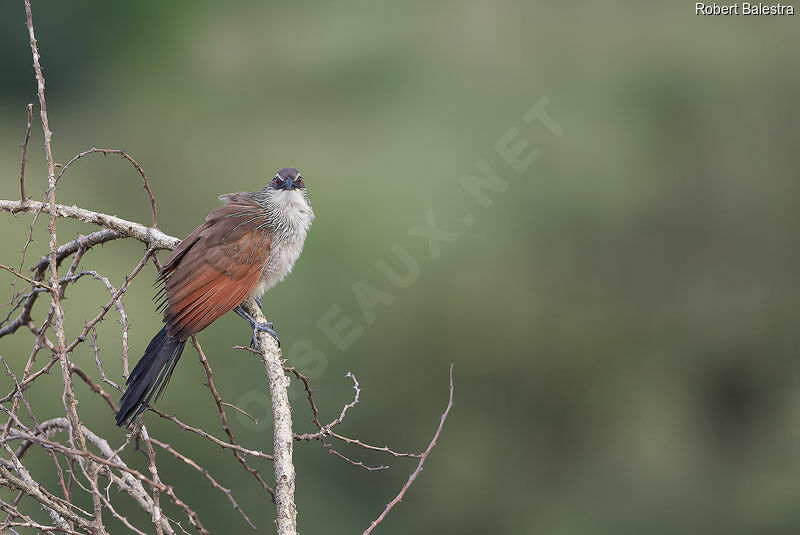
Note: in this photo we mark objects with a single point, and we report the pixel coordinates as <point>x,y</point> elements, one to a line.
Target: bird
<point>243,249</point>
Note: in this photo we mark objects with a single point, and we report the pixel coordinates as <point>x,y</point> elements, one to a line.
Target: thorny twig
<point>26,279</point>
<point>81,243</point>
<point>24,159</point>
<point>69,400</point>
<point>175,453</point>
<point>126,156</point>
<point>327,429</point>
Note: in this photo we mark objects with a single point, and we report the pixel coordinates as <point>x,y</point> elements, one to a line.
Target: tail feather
<point>150,376</point>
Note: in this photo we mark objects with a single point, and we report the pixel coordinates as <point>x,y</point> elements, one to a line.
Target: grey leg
<point>263,327</point>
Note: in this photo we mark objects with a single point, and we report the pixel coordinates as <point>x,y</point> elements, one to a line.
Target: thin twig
<point>126,156</point>
<point>99,363</point>
<point>151,455</point>
<point>113,462</point>
<point>131,480</point>
<point>208,436</point>
<point>114,300</point>
<point>26,279</point>
<point>240,411</point>
<point>359,464</point>
<point>224,419</point>
<point>309,394</point>
<point>24,159</point>
<point>397,499</point>
<point>214,482</point>
<point>327,429</point>
<point>70,403</point>
<point>81,243</point>
<point>97,389</point>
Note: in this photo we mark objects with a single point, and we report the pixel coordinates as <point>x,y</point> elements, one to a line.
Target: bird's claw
<point>266,327</point>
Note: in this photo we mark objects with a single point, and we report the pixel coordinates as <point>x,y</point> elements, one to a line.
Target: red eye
<point>300,180</point>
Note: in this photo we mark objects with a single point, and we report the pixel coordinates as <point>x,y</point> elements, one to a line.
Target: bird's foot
<point>257,327</point>
<point>266,327</point>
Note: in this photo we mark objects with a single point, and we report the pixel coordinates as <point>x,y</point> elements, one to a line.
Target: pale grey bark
<point>148,235</point>
<point>282,420</point>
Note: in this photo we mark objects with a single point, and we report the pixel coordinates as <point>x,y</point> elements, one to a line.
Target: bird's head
<point>285,196</point>
<point>288,179</point>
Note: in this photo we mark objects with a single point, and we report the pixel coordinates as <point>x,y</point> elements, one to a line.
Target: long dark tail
<point>150,376</point>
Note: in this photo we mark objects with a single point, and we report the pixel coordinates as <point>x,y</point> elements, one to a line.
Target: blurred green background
<point>623,318</point>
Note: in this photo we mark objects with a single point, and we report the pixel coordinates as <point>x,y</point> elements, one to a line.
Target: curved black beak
<point>289,184</point>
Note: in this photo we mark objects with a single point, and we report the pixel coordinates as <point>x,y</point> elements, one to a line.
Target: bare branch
<point>81,243</point>
<point>150,236</point>
<point>328,431</point>
<point>208,436</point>
<point>24,159</point>
<point>240,411</point>
<point>98,390</point>
<point>309,394</point>
<point>282,420</point>
<point>214,482</point>
<point>26,279</point>
<point>85,466</point>
<point>359,464</point>
<point>130,481</point>
<point>58,317</point>
<point>114,300</point>
<point>224,419</point>
<point>151,455</point>
<point>397,499</point>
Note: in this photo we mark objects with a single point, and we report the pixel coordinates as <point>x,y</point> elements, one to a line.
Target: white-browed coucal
<point>242,250</point>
